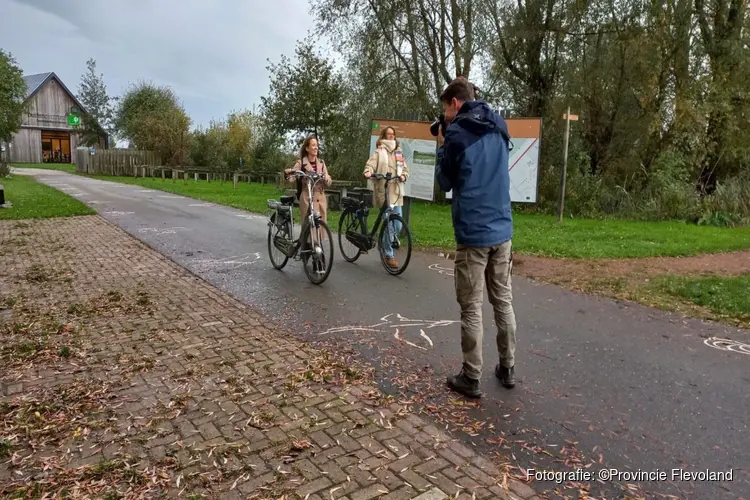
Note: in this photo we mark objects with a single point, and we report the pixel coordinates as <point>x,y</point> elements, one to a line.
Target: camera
<point>438,126</point>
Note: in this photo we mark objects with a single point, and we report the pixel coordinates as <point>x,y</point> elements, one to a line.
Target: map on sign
<point>523,168</point>
<point>523,160</point>
<point>420,157</point>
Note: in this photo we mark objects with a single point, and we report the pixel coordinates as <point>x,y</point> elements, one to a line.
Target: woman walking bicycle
<point>389,158</point>
<point>310,162</point>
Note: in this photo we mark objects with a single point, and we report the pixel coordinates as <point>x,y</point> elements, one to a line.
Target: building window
<point>55,146</point>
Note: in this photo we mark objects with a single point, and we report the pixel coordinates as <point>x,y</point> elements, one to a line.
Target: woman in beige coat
<point>309,161</point>
<point>388,157</point>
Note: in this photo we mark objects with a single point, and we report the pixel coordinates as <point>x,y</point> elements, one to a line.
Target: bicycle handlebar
<point>379,177</point>
<point>314,176</point>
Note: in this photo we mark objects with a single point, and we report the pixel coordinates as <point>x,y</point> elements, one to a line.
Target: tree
<point>239,137</point>
<point>428,43</point>
<point>305,96</point>
<point>98,115</point>
<point>151,117</point>
<point>224,142</point>
<point>208,147</point>
<point>12,96</point>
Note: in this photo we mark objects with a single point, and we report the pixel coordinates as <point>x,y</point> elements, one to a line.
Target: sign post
<point>74,120</point>
<point>568,117</point>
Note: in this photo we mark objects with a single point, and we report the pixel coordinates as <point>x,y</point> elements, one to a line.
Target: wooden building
<point>48,131</point>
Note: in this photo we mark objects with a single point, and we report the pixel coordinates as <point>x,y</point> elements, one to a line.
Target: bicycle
<point>353,227</point>
<point>281,235</point>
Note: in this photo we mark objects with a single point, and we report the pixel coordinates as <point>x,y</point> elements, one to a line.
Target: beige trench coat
<point>319,194</point>
<point>395,189</point>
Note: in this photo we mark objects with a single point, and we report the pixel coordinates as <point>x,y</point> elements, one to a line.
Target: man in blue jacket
<point>473,162</point>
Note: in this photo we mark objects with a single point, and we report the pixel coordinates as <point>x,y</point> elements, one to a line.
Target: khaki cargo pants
<point>475,266</point>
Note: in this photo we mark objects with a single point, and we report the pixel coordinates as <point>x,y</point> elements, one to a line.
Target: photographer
<point>473,162</point>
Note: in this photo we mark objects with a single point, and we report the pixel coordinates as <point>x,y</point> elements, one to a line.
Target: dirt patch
<point>572,270</point>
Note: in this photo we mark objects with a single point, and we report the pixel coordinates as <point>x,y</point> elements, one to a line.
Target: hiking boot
<point>391,262</point>
<point>465,385</point>
<point>506,376</point>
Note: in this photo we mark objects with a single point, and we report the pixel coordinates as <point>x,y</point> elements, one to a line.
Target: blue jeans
<point>391,233</point>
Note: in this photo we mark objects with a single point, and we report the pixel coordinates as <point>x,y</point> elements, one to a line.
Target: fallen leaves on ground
<point>45,431</point>
<point>34,339</point>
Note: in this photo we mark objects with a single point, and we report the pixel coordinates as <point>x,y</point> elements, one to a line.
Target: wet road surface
<point>599,382</point>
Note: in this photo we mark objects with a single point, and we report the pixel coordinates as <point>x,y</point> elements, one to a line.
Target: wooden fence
<point>114,161</point>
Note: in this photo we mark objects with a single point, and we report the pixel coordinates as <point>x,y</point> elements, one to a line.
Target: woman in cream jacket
<point>388,157</point>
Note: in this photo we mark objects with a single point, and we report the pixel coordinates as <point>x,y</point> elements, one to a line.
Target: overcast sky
<point>213,53</point>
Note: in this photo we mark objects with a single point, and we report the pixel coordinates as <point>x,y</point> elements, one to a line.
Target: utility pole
<point>568,117</point>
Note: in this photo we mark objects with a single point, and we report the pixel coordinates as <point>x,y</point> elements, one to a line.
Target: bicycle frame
<point>385,209</point>
<point>313,216</point>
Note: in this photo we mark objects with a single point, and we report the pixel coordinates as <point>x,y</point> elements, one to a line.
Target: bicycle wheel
<point>278,259</point>
<point>405,240</point>
<point>318,266</point>
<point>348,222</point>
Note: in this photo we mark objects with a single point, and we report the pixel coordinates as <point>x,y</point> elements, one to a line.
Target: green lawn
<point>725,296</point>
<point>533,234</point>
<point>64,167</point>
<point>33,200</point>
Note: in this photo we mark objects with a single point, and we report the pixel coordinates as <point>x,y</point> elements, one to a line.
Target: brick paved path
<point>124,376</point>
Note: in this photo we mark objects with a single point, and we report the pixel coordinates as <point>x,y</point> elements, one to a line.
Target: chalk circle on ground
<point>727,345</point>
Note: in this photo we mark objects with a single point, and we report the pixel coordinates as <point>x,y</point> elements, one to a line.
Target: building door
<point>55,146</point>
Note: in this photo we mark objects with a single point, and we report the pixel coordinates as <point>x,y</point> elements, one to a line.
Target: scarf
<point>386,147</point>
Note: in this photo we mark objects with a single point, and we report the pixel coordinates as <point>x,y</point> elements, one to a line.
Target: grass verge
<point>431,226</point>
<point>717,298</point>
<point>33,200</point>
<point>725,297</point>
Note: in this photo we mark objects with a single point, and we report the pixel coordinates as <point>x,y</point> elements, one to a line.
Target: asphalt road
<point>624,386</point>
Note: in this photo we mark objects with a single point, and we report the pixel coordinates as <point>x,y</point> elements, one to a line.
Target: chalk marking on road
<point>250,216</point>
<point>235,261</point>
<point>159,232</point>
<point>396,335</point>
<point>350,328</point>
<point>95,202</point>
<point>424,335</point>
<point>168,197</point>
<point>201,205</point>
<point>116,212</point>
<point>146,191</point>
<point>727,345</point>
<point>403,322</point>
<point>441,270</point>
